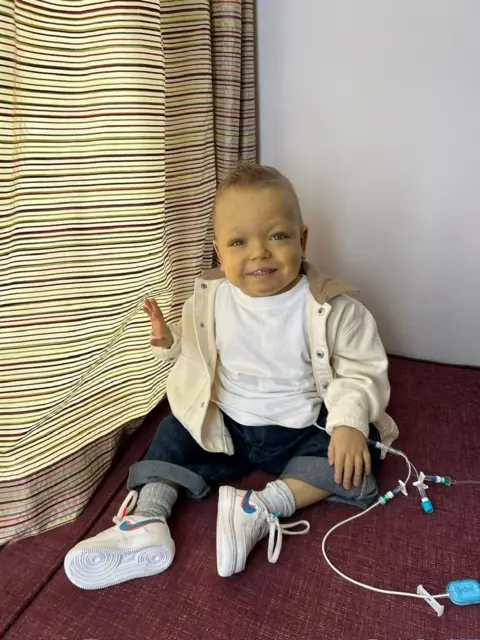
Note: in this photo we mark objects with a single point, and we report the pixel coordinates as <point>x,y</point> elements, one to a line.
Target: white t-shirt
<point>265,371</point>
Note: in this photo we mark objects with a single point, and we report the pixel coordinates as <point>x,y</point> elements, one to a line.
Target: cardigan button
<point>320,354</point>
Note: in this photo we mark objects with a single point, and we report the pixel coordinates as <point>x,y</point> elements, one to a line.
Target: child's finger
<point>331,454</point>
<point>339,471</point>
<point>348,468</point>
<point>367,459</point>
<point>154,305</point>
<point>357,478</point>
<point>156,311</point>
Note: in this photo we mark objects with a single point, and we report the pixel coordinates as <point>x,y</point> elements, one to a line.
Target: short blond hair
<point>250,174</point>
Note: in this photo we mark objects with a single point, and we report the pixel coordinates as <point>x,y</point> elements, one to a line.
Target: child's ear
<point>303,241</point>
<point>219,260</point>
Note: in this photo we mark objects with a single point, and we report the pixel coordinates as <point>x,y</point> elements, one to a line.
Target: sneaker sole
<point>97,568</point>
<point>226,541</point>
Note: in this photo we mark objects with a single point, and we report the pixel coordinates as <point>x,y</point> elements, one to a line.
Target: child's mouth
<point>262,273</point>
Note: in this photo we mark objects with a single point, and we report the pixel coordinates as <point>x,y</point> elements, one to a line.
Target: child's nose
<point>259,252</point>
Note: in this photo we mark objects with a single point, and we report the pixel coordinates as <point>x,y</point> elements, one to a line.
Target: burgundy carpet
<point>300,598</point>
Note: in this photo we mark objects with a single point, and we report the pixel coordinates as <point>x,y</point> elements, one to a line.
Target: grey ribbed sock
<point>156,500</point>
<point>278,498</point>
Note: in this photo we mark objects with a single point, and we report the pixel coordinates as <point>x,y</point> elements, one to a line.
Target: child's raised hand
<point>160,329</point>
<point>348,451</point>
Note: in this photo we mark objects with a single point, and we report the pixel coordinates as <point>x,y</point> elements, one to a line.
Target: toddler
<point>276,368</point>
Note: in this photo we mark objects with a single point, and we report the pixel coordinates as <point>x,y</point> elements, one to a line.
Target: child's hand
<point>160,329</point>
<point>348,451</point>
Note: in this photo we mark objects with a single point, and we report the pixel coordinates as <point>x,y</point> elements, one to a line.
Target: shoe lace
<point>126,507</point>
<point>277,531</point>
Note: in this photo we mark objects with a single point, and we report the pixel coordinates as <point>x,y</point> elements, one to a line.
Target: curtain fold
<point>234,83</point>
<point>116,122</point>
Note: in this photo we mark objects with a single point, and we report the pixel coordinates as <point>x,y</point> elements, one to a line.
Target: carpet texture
<point>397,547</point>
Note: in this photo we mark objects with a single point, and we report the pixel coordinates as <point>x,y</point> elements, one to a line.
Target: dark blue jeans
<point>288,453</point>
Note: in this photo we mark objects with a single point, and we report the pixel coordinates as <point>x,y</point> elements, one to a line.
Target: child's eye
<point>236,243</point>
<point>279,236</point>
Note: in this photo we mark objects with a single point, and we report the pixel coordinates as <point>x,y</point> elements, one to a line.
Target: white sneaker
<point>134,548</point>
<point>243,520</point>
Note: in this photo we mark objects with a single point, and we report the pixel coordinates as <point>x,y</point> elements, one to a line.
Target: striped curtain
<point>116,121</point>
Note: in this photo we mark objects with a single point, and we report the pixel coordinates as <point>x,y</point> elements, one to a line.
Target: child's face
<point>259,240</point>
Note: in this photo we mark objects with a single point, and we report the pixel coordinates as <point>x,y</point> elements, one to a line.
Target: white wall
<point>372,108</point>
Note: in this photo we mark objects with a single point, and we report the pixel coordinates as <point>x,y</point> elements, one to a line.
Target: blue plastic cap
<point>427,506</point>
<point>464,592</point>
